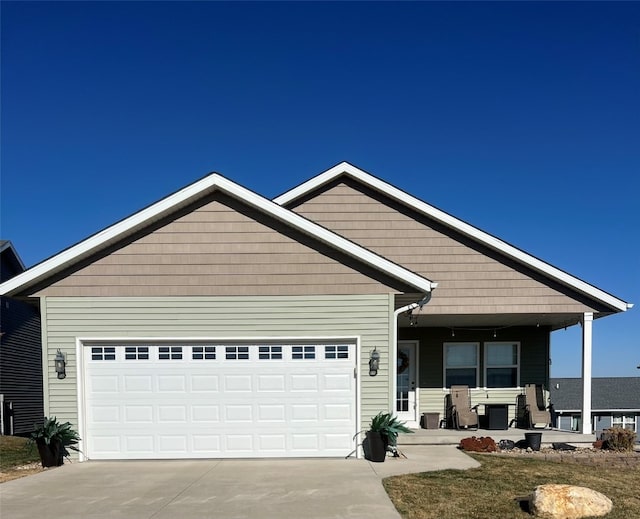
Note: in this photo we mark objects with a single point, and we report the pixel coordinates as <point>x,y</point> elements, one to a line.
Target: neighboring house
<point>218,323</point>
<point>20,354</point>
<point>615,402</point>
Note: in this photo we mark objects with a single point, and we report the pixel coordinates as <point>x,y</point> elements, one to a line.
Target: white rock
<point>568,502</point>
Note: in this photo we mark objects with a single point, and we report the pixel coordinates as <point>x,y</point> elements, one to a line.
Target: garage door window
<point>336,352</point>
<point>203,353</point>
<point>270,352</point>
<point>237,352</point>
<point>170,352</point>
<point>303,352</point>
<point>136,353</point>
<point>107,353</point>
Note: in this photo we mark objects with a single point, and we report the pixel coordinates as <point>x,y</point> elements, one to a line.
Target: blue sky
<point>520,118</point>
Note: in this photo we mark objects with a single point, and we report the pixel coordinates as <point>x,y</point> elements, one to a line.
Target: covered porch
<point>496,355</point>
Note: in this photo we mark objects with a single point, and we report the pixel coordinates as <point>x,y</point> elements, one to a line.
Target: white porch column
<point>587,339</point>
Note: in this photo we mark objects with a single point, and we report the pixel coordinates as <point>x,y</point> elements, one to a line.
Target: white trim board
<point>344,168</point>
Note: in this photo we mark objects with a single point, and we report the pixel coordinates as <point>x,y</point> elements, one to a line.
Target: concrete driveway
<point>229,489</point>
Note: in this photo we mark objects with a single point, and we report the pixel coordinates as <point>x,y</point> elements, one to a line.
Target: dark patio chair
<point>536,412</point>
<point>460,410</point>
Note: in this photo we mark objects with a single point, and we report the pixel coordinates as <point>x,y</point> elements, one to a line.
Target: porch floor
<point>453,437</point>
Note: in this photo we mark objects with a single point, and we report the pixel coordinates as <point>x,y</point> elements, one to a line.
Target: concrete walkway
<point>229,489</point>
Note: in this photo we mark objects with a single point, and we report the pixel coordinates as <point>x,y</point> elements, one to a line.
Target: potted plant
<point>54,440</point>
<point>383,432</point>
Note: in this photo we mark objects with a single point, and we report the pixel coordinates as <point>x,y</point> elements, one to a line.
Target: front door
<point>406,403</point>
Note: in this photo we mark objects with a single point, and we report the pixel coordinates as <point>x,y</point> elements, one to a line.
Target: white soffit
<point>344,168</point>
<point>188,195</point>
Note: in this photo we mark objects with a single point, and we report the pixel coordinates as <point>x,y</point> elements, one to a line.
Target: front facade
<point>217,323</point>
<point>615,402</point>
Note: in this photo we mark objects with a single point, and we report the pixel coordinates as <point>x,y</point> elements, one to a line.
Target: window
<point>269,352</point>
<point>136,353</point>
<point>237,353</point>
<point>336,352</point>
<point>576,422</point>
<point>106,353</point>
<point>461,364</point>
<point>303,352</point>
<point>624,421</point>
<point>170,352</point>
<point>501,364</point>
<point>203,353</point>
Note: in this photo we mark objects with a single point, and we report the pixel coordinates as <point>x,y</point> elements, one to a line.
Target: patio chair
<point>460,410</point>
<point>535,409</point>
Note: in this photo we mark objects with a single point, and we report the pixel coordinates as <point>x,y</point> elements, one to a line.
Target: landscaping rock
<point>568,502</point>
<point>482,444</point>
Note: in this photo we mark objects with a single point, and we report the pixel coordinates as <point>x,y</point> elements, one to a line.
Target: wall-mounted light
<point>374,363</point>
<point>60,365</point>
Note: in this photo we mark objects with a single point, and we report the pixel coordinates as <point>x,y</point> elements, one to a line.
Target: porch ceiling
<point>425,319</point>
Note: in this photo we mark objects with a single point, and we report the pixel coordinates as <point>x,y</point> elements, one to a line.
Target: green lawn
<point>15,451</point>
<point>488,492</point>
<point>17,458</point>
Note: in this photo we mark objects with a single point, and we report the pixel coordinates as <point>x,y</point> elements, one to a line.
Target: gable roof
<point>607,393</point>
<point>344,169</point>
<point>186,196</point>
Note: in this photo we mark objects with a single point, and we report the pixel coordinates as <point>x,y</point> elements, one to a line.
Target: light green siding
<point>67,319</point>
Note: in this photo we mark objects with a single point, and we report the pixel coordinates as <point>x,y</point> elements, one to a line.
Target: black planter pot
<point>375,446</point>
<point>51,454</point>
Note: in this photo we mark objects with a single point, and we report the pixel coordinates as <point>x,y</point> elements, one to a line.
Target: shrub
<point>482,444</point>
<point>52,431</point>
<point>618,439</point>
<point>389,426</point>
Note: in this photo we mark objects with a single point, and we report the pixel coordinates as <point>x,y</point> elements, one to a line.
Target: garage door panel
<point>205,383</point>
<point>205,413</point>
<point>241,401</point>
<point>138,383</point>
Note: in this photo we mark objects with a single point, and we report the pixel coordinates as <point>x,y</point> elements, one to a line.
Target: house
<point>21,395</point>
<point>218,323</point>
<point>615,402</point>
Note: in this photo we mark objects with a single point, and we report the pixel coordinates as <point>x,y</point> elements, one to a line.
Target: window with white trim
<point>461,363</point>
<point>170,352</point>
<point>236,352</point>
<point>103,353</point>
<point>339,351</point>
<point>303,352</point>
<point>501,364</point>
<point>269,352</point>
<point>203,353</point>
<point>624,420</point>
<point>136,353</point>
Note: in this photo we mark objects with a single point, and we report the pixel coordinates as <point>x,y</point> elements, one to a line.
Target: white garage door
<point>219,400</point>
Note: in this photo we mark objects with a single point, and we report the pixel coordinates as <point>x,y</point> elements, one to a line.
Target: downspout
<point>393,354</point>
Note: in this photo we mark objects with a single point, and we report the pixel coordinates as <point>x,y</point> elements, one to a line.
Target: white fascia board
<point>189,194</point>
<point>453,223</point>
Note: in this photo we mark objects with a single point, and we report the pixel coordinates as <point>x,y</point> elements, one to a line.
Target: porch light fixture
<point>413,319</point>
<point>374,363</point>
<point>60,365</point>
